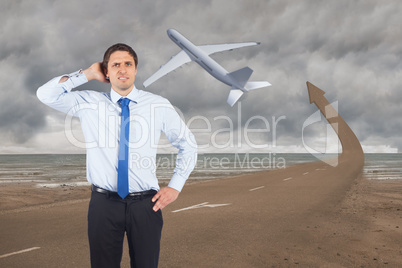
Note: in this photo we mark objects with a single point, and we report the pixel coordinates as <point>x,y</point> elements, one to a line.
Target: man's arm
<point>181,137</point>
<point>94,72</point>
<point>55,93</point>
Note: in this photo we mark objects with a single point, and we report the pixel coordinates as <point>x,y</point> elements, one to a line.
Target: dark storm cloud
<point>350,49</point>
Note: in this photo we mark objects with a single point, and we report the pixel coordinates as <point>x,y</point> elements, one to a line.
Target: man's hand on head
<point>164,197</point>
<point>95,72</point>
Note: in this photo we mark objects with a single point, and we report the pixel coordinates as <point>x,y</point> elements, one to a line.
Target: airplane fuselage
<point>238,80</point>
<point>206,62</point>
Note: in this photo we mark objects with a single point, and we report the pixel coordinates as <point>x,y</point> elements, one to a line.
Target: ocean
<point>70,169</point>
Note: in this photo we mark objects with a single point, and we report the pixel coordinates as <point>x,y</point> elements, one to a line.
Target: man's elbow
<point>41,95</point>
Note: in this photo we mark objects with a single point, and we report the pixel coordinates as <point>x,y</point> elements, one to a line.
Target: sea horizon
<point>71,168</point>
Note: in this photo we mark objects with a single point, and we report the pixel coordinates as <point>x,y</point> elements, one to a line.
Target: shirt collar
<point>133,95</point>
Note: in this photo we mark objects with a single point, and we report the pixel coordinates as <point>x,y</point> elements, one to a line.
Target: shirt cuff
<point>177,182</point>
<point>76,79</point>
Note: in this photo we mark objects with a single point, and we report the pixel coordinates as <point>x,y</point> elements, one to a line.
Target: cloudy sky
<point>350,49</point>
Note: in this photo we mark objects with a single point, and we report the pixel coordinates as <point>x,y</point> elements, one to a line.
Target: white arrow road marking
<point>205,204</point>
<point>258,188</point>
<point>288,179</point>
<point>192,207</point>
<point>19,252</point>
<point>305,173</point>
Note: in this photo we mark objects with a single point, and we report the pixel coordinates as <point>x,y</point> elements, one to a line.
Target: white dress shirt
<point>100,116</point>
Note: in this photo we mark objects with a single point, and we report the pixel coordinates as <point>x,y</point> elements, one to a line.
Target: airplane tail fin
<point>254,85</point>
<point>234,96</point>
<point>242,75</point>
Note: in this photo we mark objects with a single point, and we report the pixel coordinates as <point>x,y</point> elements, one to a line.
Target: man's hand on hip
<point>165,196</point>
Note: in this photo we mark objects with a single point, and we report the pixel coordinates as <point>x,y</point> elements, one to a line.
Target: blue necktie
<point>122,171</point>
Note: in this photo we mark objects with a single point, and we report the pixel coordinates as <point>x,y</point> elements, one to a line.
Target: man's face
<point>121,71</point>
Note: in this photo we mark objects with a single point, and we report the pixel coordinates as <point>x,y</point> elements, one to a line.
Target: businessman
<point>122,129</point>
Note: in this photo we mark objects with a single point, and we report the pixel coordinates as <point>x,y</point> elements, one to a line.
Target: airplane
<point>237,80</point>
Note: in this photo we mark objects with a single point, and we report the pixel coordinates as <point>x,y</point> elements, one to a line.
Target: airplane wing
<point>210,49</point>
<point>174,63</point>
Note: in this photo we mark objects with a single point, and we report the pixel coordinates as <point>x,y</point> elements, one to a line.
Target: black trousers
<point>109,218</point>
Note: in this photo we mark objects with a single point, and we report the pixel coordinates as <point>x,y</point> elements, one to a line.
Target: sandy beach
<point>279,218</point>
<point>318,214</point>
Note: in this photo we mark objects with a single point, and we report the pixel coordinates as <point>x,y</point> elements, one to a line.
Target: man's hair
<point>114,48</point>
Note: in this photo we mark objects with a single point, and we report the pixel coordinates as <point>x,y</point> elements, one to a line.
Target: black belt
<point>136,195</point>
